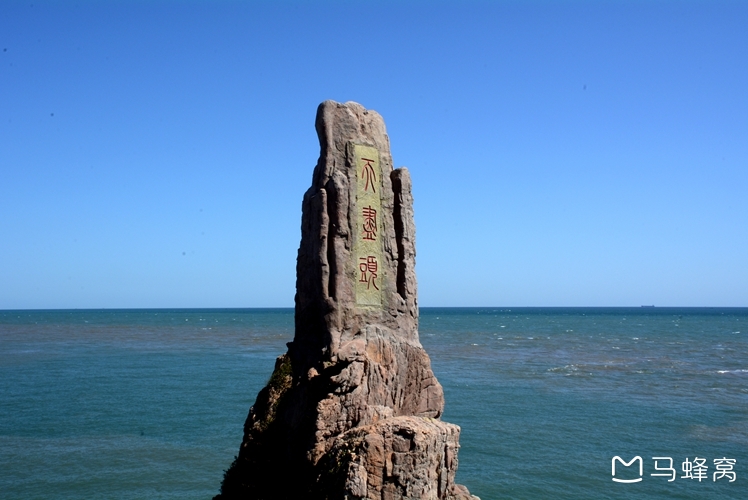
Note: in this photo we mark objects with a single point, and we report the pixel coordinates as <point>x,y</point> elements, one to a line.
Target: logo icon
<point>627,464</point>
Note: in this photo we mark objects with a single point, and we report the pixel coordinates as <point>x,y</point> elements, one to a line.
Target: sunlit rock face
<point>352,410</point>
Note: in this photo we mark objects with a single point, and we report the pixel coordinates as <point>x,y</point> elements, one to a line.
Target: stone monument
<point>352,410</point>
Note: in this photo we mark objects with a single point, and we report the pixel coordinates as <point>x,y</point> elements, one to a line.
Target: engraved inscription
<point>367,244</point>
<point>369,225</point>
<point>370,177</point>
<point>368,268</point>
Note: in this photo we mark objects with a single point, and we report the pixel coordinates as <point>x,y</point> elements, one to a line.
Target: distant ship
<point>648,306</point>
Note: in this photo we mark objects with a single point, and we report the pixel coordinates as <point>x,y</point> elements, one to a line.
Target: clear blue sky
<point>154,154</point>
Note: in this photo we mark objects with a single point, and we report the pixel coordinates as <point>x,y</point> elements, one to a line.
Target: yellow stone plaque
<point>368,234</point>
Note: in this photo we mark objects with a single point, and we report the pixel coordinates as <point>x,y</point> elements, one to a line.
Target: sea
<point>554,403</point>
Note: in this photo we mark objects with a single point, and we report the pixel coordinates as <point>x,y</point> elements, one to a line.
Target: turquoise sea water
<point>132,404</point>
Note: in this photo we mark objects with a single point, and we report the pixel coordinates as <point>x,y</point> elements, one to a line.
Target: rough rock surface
<point>351,410</point>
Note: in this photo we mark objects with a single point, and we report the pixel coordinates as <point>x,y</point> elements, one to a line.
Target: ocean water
<point>133,404</point>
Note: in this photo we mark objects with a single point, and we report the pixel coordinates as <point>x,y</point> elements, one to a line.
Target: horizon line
<point>644,307</point>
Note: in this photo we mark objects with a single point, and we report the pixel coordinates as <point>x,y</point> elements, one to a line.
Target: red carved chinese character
<point>370,223</point>
<point>368,265</point>
<point>368,174</point>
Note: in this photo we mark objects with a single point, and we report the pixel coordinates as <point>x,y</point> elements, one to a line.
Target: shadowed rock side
<point>352,410</point>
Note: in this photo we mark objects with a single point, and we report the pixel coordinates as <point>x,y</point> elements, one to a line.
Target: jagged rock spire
<point>351,410</point>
